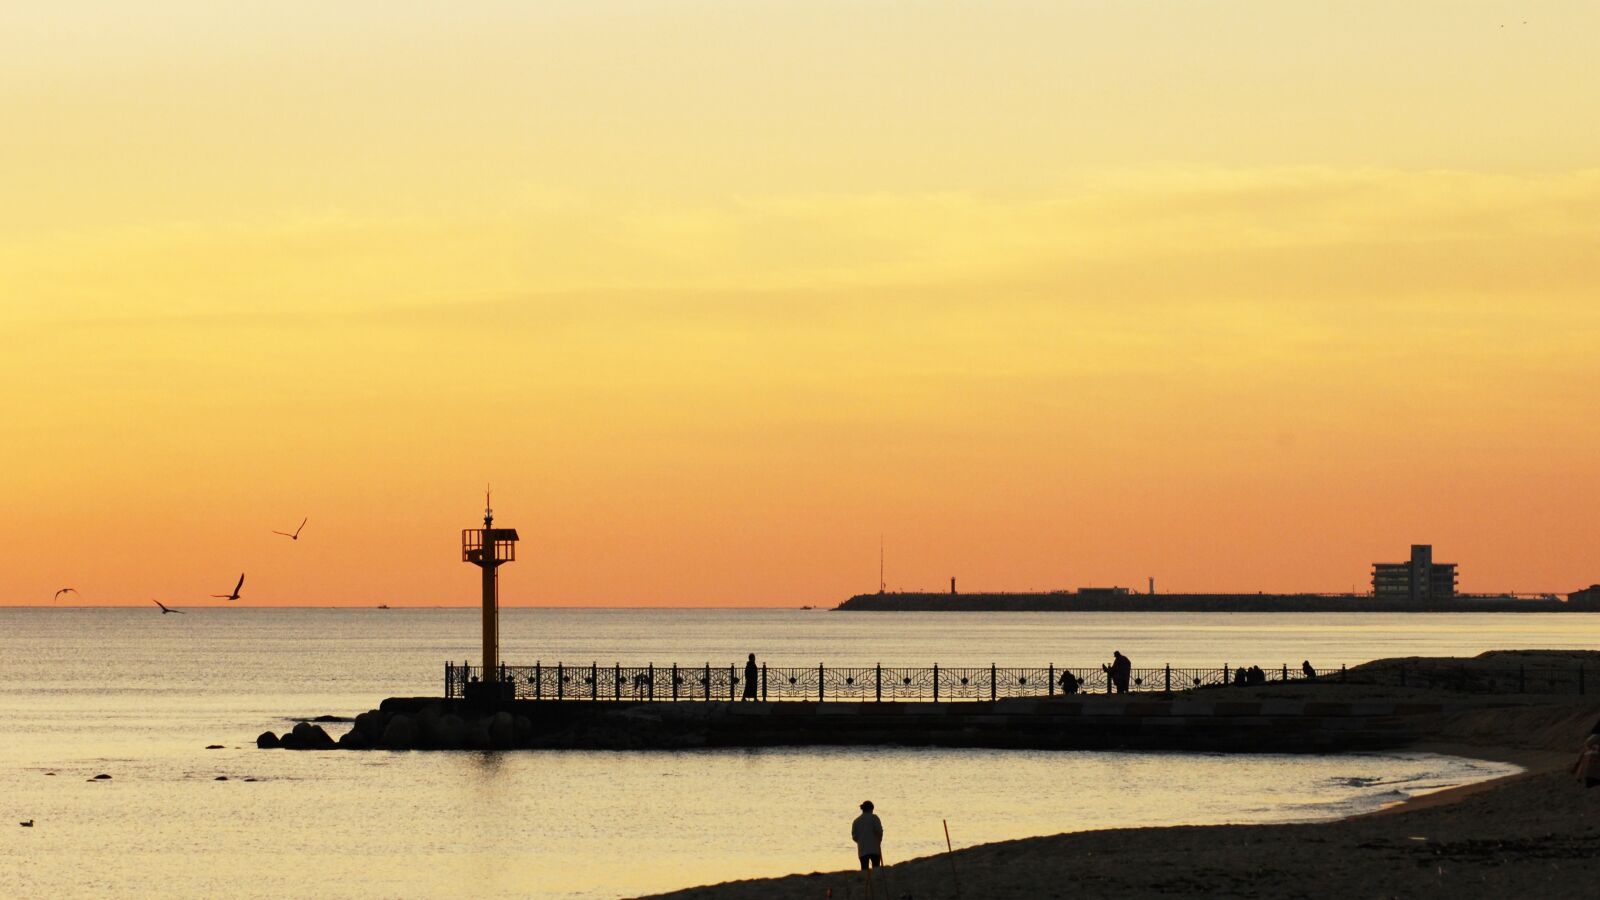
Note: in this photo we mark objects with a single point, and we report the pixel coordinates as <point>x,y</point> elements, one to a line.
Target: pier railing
<point>822,683</point>
<point>1474,677</point>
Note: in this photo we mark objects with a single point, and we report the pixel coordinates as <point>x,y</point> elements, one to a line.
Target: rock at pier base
<point>306,736</point>
<point>401,734</point>
<point>267,741</point>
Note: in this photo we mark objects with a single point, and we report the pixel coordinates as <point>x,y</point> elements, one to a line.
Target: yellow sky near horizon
<point>1241,295</point>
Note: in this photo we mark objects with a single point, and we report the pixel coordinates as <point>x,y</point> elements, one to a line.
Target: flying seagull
<point>296,535</point>
<point>180,612</point>
<point>235,594</point>
<point>64,591</point>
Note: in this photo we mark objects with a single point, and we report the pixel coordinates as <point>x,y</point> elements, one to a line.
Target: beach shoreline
<point>1535,829</point>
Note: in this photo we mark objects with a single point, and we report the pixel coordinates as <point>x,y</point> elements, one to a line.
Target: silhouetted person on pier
<point>1241,676</point>
<point>1257,676</point>
<point>1119,670</point>
<point>867,832</point>
<point>1069,683</point>
<point>751,676</point>
<point>1308,670</point>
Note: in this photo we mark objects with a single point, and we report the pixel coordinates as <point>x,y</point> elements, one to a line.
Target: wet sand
<point>1536,833</point>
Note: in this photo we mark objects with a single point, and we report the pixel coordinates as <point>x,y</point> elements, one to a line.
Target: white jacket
<point>867,832</point>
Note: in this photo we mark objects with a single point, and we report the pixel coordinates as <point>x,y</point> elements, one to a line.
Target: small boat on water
<point>383,606</point>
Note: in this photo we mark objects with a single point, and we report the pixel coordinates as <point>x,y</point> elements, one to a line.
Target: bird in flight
<point>64,591</point>
<point>165,610</point>
<point>296,535</point>
<point>235,594</point>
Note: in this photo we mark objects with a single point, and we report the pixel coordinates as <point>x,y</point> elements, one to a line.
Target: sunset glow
<point>716,294</point>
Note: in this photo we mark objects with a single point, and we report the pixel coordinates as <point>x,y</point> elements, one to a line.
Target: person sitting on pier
<point>1241,676</point>
<point>1069,682</point>
<point>1307,669</point>
<point>751,676</point>
<point>1119,670</point>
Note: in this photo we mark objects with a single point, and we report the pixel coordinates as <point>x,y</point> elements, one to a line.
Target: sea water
<point>138,696</point>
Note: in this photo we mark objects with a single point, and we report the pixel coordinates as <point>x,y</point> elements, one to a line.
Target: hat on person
<point>866,805</point>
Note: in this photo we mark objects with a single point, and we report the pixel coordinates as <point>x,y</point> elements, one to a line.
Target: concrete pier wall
<point>1091,723</point>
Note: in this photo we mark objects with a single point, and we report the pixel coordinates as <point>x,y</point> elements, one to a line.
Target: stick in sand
<point>950,855</point>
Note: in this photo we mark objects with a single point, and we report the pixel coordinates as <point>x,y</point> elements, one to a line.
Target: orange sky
<point>1243,295</point>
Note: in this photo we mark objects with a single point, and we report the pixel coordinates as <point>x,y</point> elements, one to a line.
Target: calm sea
<point>137,695</point>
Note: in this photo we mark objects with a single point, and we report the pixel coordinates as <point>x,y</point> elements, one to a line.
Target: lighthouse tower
<point>488,548</point>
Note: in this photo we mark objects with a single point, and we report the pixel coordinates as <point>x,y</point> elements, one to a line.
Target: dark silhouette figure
<point>165,610</point>
<point>235,594</point>
<point>1119,670</point>
<point>1241,676</point>
<point>751,676</point>
<point>1307,669</point>
<point>1069,683</point>
<point>1257,676</point>
<point>867,832</point>
<point>296,535</point>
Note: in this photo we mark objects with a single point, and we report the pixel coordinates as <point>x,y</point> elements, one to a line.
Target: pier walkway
<point>937,684</point>
<point>941,684</point>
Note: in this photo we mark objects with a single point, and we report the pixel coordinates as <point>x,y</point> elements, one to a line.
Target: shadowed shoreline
<point>1535,831</point>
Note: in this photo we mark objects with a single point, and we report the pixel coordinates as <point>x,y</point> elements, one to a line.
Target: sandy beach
<point>1535,832</point>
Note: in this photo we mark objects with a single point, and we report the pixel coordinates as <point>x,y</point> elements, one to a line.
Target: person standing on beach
<point>751,676</point>
<point>867,832</point>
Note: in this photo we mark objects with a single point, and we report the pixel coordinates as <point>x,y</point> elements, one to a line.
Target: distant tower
<point>488,548</point>
<point>882,585</point>
<point>952,584</point>
<point>1152,584</point>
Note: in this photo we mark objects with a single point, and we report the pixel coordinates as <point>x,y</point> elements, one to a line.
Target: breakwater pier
<point>1384,704</point>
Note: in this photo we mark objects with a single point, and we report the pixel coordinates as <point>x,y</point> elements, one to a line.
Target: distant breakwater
<point>1065,601</point>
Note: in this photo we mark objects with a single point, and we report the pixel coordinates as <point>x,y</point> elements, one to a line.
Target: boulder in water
<point>371,725</point>
<point>354,740</point>
<point>306,736</point>
<point>401,734</point>
<point>101,777</point>
<point>450,732</point>
<point>267,741</point>
<point>502,731</point>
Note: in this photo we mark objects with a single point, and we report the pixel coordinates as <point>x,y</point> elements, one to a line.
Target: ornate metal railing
<point>823,683</point>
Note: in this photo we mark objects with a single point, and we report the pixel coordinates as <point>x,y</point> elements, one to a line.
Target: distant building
<point>1421,579</point>
<point>1588,598</point>
<point>1102,592</point>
